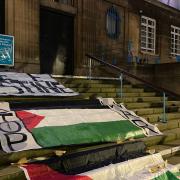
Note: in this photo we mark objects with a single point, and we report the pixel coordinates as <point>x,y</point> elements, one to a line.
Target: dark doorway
<point>2,16</point>
<point>56,42</point>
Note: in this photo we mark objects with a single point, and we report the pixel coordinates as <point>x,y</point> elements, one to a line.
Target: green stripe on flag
<point>166,176</point>
<point>177,174</point>
<point>86,133</point>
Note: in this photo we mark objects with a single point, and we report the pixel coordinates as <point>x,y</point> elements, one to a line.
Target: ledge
<point>59,6</point>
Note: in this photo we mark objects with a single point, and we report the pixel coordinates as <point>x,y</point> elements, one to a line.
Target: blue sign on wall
<point>6,50</point>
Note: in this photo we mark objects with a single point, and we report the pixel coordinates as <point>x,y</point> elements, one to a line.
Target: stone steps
<point>147,111</point>
<point>115,95</point>
<point>157,117</point>
<point>138,105</point>
<point>171,135</point>
<point>168,136</point>
<point>143,101</point>
<point>155,110</point>
<point>12,173</point>
<point>107,90</point>
<point>174,160</point>
<point>139,99</point>
<point>172,124</point>
<point>168,149</point>
<point>146,104</point>
<point>89,81</point>
<point>92,85</point>
<point>170,152</point>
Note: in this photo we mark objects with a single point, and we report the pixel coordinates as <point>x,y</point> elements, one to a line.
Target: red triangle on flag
<point>30,120</point>
<point>43,171</point>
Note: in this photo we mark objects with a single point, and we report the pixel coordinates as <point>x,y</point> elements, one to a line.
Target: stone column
<point>22,21</point>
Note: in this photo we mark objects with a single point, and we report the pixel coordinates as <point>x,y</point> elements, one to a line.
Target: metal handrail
<point>149,84</point>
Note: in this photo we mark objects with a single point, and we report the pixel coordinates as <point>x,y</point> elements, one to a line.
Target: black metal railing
<point>163,91</point>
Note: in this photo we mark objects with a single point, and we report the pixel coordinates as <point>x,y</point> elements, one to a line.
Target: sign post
<point>6,50</point>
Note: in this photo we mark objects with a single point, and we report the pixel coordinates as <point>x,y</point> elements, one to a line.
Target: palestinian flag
<point>129,170</point>
<point>168,176</point>
<point>44,128</point>
<point>77,126</point>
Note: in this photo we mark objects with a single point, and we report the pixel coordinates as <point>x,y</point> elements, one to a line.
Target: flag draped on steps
<point>23,84</point>
<point>143,168</point>
<point>45,128</point>
<point>95,157</point>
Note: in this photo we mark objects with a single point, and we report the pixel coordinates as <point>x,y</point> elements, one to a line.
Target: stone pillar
<point>22,21</point>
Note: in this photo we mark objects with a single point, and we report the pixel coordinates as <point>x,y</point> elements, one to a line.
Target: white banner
<point>23,84</point>
<point>149,129</point>
<point>44,128</point>
<point>143,168</point>
<point>13,135</point>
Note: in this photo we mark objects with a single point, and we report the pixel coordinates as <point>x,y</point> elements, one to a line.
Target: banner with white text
<point>44,128</point>
<point>23,84</point>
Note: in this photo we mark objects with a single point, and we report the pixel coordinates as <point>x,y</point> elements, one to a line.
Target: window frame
<point>149,29</point>
<point>175,51</point>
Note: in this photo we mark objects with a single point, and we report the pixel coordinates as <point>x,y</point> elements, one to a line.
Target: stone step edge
<point>170,151</point>
<point>18,173</point>
<point>85,77</point>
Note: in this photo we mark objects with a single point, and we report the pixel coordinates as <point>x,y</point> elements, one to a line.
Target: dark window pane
<point>112,23</point>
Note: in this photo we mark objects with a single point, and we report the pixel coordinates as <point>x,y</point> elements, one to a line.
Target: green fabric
<point>177,174</point>
<point>167,176</point>
<point>86,133</point>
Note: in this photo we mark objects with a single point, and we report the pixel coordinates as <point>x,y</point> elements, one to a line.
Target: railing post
<point>164,119</point>
<point>121,81</point>
<point>90,68</point>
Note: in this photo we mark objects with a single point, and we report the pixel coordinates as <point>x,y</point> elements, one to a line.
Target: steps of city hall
<point>142,100</point>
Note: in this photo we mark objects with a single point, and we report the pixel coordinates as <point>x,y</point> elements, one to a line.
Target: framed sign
<point>6,50</point>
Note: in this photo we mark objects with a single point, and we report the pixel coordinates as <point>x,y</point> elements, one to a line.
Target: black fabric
<point>80,162</point>
<point>62,103</point>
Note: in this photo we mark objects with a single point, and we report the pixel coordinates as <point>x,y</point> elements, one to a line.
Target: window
<point>175,40</point>
<point>148,35</point>
<point>112,23</point>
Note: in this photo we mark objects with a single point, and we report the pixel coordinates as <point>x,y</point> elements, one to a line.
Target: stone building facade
<point>53,36</point>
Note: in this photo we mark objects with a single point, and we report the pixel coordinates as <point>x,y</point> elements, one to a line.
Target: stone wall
<point>93,35</point>
<point>165,17</point>
<point>22,21</point>
<point>90,36</point>
<point>168,76</point>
